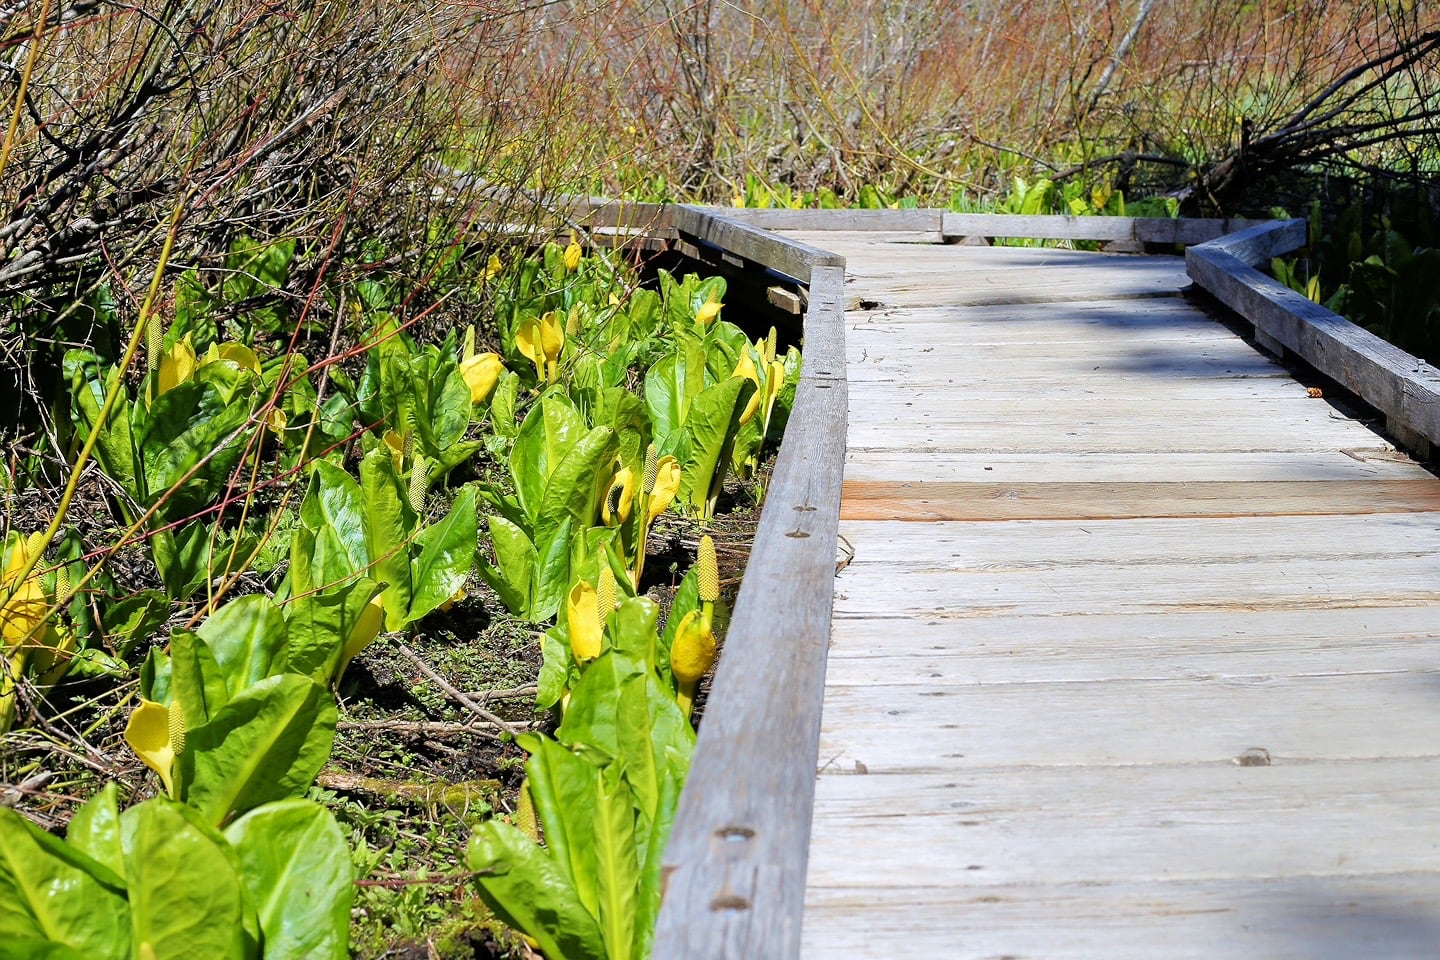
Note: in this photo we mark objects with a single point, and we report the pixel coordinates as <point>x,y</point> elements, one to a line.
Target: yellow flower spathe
<point>620,498</point>
<point>708,311</point>
<point>582,614</point>
<point>148,733</point>
<point>573,254</point>
<point>667,485</point>
<point>481,372</point>
<point>746,370</point>
<point>177,366</point>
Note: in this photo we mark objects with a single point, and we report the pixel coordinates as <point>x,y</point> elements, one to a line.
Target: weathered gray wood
<point>736,860</point>
<point>1402,387</point>
<point>1142,229</point>
<point>1321,916</point>
<point>1033,724</point>
<point>928,221</point>
<point>714,230</point>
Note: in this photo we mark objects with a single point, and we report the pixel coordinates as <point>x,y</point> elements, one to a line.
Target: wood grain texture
<point>1386,377</point>
<point>733,238</point>
<point>1143,229</point>
<point>1172,672</point>
<point>1332,916</point>
<point>735,863</point>
<point>940,500</point>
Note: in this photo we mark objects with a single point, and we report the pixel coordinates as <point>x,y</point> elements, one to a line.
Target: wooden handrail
<point>735,864</point>
<point>1402,387</point>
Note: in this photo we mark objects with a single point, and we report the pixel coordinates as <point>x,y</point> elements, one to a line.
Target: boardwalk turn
<point>1136,656</point>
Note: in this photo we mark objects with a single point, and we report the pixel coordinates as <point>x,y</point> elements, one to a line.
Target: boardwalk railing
<point>736,861</point>
<point>1404,389</point>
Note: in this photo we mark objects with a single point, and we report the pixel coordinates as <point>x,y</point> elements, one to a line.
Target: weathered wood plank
<point>736,860</point>
<point>1405,389</point>
<point>1352,464</point>
<point>1082,647</point>
<point>789,257</point>
<point>941,728</point>
<point>1328,916</point>
<point>1143,229</point>
<point>1047,544</point>
<point>923,590</point>
<point>930,501</point>
<point>889,221</point>
<point>1160,822</point>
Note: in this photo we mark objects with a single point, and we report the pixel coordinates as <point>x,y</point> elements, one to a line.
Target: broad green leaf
<point>266,744</point>
<point>248,638</point>
<point>389,524</point>
<point>502,405</point>
<point>632,629</point>
<point>296,866</point>
<point>617,867</point>
<point>522,884</point>
<point>334,499</point>
<point>562,785</point>
<point>52,891</point>
<point>134,619</point>
<point>447,553</point>
<point>186,899</point>
<point>625,413</point>
<point>95,830</point>
<point>552,571</point>
<point>319,624</point>
<point>671,384</point>
<point>182,557</point>
<point>28,949</point>
<point>714,418</point>
<point>513,575</point>
<point>449,414</point>
<point>197,683</point>
<point>114,448</point>
<point>554,667</point>
<point>546,436</point>
<point>184,426</point>
<point>650,840</point>
<point>577,484</point>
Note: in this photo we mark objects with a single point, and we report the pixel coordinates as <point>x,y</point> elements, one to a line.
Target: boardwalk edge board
<point>736,862</point>
<point>1401,386</point>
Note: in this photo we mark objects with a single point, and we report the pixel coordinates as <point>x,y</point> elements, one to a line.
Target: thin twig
<point>457,695</point>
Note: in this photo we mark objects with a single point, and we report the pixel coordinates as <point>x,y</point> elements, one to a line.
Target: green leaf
<point>576,485</point>
<point>50,891</point>
<point>185,425</point>
<point>266,744</point>
<point>562,785</point>
<point>389,524</point>
<point>449,408</point>
<point>671,384</point>
<point>714,418</point>
<point>522,884</point>
<point>513,575</point>
<point>114,449</point>
<point>549,431</point>
<point>248,638</point>
<point>632,629</point>
<point>552,571</point>
<point>334,500</point>
<point>650,840</point>
<point>447,553</point>
<point>616,866</point>
<point>197,683</point>
<point>134,619</point>
<point>95,830</point>
<point>296,866</point>
<point>502,405</point>
<point>186,899</point>
<point>182,558</point>
<point>554,667</point>
<point>319,624</point>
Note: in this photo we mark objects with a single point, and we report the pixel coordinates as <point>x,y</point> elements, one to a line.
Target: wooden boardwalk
<point>1136,653</point>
